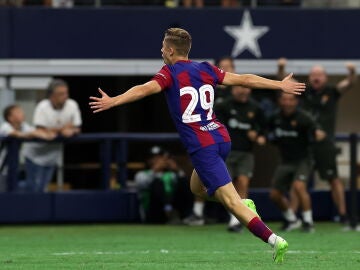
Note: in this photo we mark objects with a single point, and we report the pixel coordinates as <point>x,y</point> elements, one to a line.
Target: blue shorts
<point>209,163</point>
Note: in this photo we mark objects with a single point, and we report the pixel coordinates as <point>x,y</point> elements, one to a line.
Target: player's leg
<point>196,218</point>
<point>338,195</point>
<point>281,183</point>
<point>300,188</point>
<point>231,200</point>
<point>325,160</point>
<point>240,166</point>
<point>211,169</point>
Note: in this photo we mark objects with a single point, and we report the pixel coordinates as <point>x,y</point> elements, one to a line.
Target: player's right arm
<point>137,92</point>
<point>254,81</point>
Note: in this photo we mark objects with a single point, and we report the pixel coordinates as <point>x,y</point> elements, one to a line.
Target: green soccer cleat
<point>250,203</point>
<point>280,248</point>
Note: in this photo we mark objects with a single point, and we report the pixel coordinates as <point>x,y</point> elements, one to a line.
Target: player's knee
<point>299,186</point>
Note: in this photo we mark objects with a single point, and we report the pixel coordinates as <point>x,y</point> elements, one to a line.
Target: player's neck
<point>179,58</point>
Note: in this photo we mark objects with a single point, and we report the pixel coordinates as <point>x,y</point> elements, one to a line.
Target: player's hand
<point>101,104</point>
<point>261,140</point>
<point>290,86</point>
<point>319,135</point>
<point>252,135</point>
<point>350,67</point>
<point>282,62</point>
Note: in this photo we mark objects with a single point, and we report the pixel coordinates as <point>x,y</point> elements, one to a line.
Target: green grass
<point>170,247</point>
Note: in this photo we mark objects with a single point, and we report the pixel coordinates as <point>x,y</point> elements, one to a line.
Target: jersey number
<point>188,115</point>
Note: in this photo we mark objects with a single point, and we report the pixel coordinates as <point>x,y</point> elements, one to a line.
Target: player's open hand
<point>101,104</point>
<point>290,86</point>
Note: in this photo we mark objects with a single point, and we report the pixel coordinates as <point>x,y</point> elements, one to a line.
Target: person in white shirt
<point>57,114</point>
<point>15,126</point>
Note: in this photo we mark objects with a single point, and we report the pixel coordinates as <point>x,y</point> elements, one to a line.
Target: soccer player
<point>245,121</point>
<point>189,90</point>
<point>293,131</point>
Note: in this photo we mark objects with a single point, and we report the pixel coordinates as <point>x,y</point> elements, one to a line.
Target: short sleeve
<point>40,117</point>
<point>220,74</point>
<point>163,78</point>
<point>77,121</point>
<point>6,129</point>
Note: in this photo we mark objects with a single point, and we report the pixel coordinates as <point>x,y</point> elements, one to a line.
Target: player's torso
<point>239,118</point>
<point>323,106</point>
<point>291,135</point>
<point>190,99</point>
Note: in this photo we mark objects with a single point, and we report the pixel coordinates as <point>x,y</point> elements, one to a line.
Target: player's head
<point>14,114</point>
<point>240,93</point>
<point>318,77</point>
<point>226,63</point>
<point>176,43</point>
<point>288,103</point>
<point>58,92</point>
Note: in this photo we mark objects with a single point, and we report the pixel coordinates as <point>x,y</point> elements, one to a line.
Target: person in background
<point>293,131</point>
<point>321,102</point>
<point>230,3</point>
<point>57,114</point>
<point>15,126</point>
<point>225,63</point>
<point>196,3</point>
<point>157,187</point>
<point>245,122</point>
<point>16,3</point>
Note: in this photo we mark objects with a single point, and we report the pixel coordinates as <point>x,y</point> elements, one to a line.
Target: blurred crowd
<point>184,3</point>
<point>55,116</point>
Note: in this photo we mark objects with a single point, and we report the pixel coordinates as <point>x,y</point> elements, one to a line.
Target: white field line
<point>165,251</point>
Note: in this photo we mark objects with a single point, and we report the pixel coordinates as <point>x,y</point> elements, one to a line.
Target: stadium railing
<point>119,142</point>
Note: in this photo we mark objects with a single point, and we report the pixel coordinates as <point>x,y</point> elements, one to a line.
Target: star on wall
<point>246,36</point>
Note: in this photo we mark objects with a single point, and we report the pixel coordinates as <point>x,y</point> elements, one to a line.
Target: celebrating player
<point>189,90</point>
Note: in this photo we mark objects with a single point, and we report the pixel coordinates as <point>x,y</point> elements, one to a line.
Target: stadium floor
<point>170,247</point>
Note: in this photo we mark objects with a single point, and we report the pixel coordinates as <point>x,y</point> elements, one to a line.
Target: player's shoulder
<point>301,114</point>
<point>43,104</point>
<point>72,103</point>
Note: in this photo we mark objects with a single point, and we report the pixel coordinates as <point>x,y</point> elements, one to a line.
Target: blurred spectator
<point>59,3</point>
<point>245,122</point>
<point>15,126</point>
<point>17,3</point>
<point>292,131</point>
<point>60,115</point>
<point>226,63</point>
<point>230,3</point>
<point>158,186</point>
<point>196,3</point>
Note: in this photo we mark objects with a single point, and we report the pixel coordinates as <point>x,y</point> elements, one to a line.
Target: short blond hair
<point>180,39</point>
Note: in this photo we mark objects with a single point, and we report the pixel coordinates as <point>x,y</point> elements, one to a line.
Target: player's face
<point>17,116</point>
<point>240,93</point>
<point>227,65</point>
<point>166,53</point>
<point>317,78</point>
<point>60,95</point>
<point>288,103</point>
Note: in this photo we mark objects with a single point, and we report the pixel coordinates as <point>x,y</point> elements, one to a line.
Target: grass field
<point>170,247</point>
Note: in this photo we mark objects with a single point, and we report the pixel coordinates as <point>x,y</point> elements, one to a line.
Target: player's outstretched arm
<point>254,81</point>
<point>137,92</point>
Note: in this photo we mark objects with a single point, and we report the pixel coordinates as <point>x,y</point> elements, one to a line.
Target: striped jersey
<point>189,90</point>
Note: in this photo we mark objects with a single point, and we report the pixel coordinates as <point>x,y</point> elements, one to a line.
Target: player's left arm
<point>137,92</point>
<point>349,81</point>
<point>254,81</point>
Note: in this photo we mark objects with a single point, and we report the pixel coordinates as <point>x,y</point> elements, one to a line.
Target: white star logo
<point>246,36</point>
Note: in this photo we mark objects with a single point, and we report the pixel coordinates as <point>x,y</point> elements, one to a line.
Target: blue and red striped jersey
<point>189,90</point>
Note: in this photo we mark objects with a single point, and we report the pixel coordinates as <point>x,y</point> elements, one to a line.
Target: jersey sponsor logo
<point>279,132</point>
<point>234,123</point>
<point>209,127</point>
<point>325,99</point>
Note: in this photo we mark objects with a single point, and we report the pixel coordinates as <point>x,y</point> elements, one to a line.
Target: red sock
<point>259,229</point>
